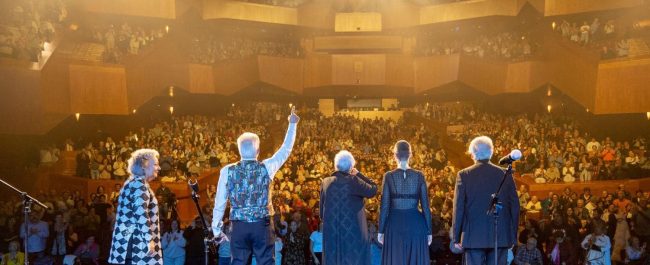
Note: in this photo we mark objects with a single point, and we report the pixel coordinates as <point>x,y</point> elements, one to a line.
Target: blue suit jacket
<point>472,226</point>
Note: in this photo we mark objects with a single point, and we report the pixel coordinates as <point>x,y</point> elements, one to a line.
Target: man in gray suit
<point>473,228</point>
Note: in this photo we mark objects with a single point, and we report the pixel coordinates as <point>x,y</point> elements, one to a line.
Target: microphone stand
<point>494,208</point>
<point>27,208</point>
<point>207,233</point>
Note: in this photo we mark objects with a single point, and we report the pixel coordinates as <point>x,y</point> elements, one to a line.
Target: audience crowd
<point>284,3</point>
<point>611,38</point>
<point>123,39</point>
<point>26,25</point>
<point>210,48</point>
<point>197,143</point>
<point>511,46</point>
<point>555,148</point>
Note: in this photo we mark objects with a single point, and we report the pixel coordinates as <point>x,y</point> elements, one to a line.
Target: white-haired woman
<point>404,230</point>
<point>136,237</point>
<point>342,209</point>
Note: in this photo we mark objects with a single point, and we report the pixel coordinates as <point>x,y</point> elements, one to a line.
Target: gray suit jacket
<point>471,224</point>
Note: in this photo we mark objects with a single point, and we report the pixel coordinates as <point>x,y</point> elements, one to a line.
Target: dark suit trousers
<point>484,256</point>
<point>255,238</point>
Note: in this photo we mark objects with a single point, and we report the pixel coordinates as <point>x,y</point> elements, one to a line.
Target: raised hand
<point>293,118</point>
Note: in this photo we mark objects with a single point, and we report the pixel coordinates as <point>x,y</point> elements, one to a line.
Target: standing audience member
<point>173,245</point>
<point>296,244</point>
<point>598,246</point>
<point>316,245</point>
<point>225,255</point>
<point>36,236</point>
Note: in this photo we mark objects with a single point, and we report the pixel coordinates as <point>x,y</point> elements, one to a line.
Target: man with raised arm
<point>247,185</point>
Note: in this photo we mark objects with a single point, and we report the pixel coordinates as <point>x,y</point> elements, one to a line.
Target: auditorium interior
<point>86,82</point>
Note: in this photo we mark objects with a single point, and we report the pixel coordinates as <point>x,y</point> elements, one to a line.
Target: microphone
<point>514,155</point>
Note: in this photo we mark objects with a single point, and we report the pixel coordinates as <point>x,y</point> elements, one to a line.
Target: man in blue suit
<point>473,228</point>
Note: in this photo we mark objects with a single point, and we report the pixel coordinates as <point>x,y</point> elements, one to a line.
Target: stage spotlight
<point>548,108</point>
<point>171,110</point>
<point>167,29</point>
<point>553,25</point>
<point>77,116</point>
<point>134,111</point>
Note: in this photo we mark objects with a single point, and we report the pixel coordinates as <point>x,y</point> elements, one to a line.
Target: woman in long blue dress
<point>405,217</point>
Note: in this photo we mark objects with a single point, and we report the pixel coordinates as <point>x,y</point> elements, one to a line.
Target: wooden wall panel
<point>434,71</point>
<point>318,70</point>
<point>20,103</point>
<point>521,77</point>
<point>154,71</point>
<point>399,14</point>
<point>571,70</point>
<point>249,11</point>
<point>98,89</point>
<point>282,72</point>
<point>357,22</point>
<point>201,79</point>
<point>56,82</point>
<point>469,9</point>
<point>488,76</point>
<point>316,14</point>
<point>622,87</point>
<point>400,70</point>
<point>358,69</point>
<point>141,8</point>
<point>564,7</point>
<point>232,76</point>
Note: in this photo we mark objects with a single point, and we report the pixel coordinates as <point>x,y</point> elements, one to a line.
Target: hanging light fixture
<point>171,110</point>
<point>77,115</point>
<point>548,108</point>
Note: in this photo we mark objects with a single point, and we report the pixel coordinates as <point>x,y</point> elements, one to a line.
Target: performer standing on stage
<point>247,185</point>
<point>404,230</point>
<point>473,229</point>
<point>342,208</point>
<point>136,238</point>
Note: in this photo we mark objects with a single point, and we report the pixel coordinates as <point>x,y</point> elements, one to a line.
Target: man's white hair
<point>137,160</point>
<point>344,161</point>
<point>481,148</point>
<point>248,144</point>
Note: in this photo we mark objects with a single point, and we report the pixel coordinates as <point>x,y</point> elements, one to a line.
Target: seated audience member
<point>561,251</point>
<point>529,254</point>
<point>534,204</point>
<point>635,253</point>
<point>88,252</point>
<point>13,256</point>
